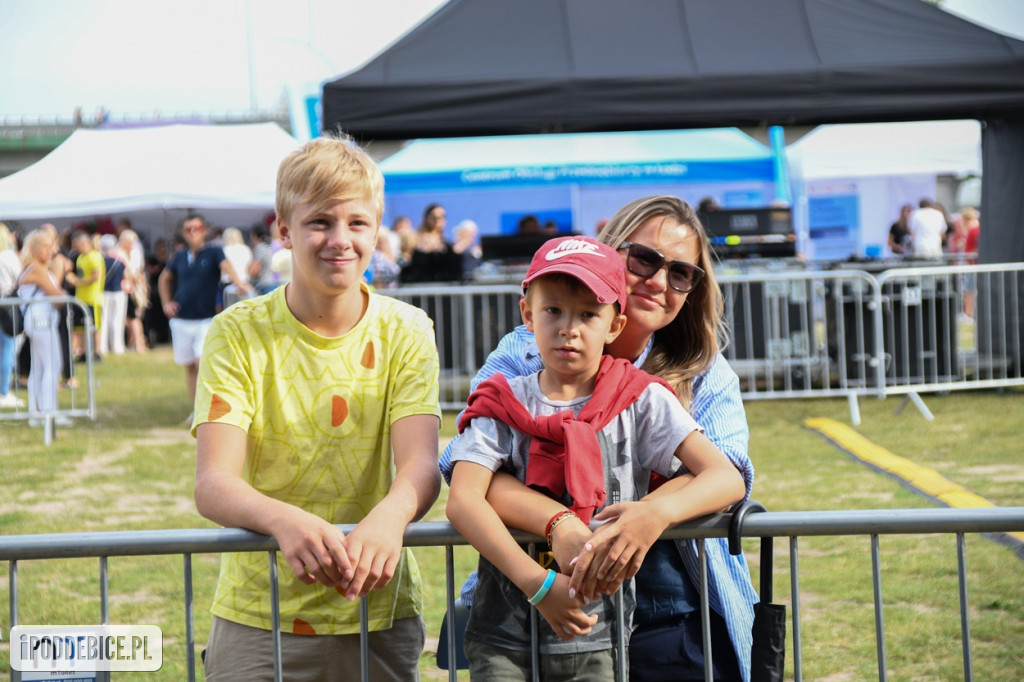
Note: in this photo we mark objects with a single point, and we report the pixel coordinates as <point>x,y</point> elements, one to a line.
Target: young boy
<point>303,395</point>
<point>587,430</point>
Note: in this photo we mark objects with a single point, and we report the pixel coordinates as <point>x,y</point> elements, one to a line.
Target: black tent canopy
<point>482,67</point>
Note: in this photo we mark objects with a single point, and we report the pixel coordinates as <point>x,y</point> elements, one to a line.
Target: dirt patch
<point>1004,472</point>
<point>167,437</point>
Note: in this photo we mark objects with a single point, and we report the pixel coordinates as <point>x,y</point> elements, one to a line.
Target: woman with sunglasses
<point>674,330</point>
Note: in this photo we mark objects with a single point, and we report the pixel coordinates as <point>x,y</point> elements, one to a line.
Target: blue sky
<point>139,57</point>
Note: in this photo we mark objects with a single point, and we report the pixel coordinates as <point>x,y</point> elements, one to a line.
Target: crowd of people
<point>929,231</point>
<point>106,274</point>
<point>114,279</point>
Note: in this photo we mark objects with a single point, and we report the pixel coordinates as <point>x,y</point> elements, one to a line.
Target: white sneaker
<point>65,422</point>
<point>35,422</point>
<point>11,400</point>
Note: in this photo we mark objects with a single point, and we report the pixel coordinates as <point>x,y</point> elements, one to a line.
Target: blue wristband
<point>543,591</point>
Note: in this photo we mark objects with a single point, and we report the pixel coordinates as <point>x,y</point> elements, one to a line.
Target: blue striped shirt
<point>718,408</point>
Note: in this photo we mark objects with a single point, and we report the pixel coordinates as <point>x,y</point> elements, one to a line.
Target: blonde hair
<point>325,171</point>
<point>127,239</point>
<point>6,238</point>
<point>233,236</point>
<point>688,345</point>
<point>31,245</point>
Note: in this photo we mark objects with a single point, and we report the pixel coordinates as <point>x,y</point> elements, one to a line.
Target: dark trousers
<point>674,651</point>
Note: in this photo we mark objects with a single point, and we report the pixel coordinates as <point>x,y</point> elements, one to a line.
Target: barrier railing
<point>791,525</point>
<point>797,333</point>
<point>79,398</point>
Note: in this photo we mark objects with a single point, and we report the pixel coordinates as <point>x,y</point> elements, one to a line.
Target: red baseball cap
<point>594,263</point>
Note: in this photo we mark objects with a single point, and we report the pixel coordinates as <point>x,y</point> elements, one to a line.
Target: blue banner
<point>690,171</point>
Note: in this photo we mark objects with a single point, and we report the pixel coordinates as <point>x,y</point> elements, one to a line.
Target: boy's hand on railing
<point>616,549</point>
<point>374,549</point>
<point>564,613</point>
<point>313,548</point>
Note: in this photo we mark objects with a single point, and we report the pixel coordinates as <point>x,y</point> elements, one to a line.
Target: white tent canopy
<point>152,175</point>
<point>863,149</point>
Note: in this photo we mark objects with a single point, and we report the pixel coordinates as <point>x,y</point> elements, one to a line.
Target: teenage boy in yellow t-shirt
<point>303,395</point>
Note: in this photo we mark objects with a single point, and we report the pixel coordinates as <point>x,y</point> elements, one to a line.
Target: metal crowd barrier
<point>791,525</point>
<point>803,333</point>
<point>469,320</point>
<point>74,402</point>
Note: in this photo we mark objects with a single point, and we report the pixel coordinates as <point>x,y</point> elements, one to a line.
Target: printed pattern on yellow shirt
<point>318,413</point>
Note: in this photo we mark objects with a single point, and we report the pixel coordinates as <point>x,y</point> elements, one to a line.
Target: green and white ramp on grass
<point>921,479</point>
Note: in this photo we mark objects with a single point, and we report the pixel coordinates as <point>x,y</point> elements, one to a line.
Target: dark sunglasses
<point>643,261</point>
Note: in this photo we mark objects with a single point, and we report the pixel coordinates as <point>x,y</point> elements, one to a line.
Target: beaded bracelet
<point>557,519</point>
<point>543,591</point>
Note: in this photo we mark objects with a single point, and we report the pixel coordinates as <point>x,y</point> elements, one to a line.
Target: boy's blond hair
<point>325,171</point>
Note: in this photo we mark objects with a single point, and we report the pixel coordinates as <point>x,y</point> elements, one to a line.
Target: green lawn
<point>132,469</point>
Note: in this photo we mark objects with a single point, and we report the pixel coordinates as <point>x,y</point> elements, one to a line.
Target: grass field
<point>132,469</point>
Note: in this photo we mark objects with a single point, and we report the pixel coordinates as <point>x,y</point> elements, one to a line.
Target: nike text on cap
<point>594,263</point>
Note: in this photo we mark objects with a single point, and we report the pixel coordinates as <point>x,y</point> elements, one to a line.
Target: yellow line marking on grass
<point>928,481</point>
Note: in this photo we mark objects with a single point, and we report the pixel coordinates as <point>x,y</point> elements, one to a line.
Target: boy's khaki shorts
<point>244,653</point>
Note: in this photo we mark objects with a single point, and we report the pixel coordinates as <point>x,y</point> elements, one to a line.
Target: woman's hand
<point>617,548</point>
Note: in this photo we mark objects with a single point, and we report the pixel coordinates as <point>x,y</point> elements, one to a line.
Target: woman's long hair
<point>689,344</point>
<point>427,223</point>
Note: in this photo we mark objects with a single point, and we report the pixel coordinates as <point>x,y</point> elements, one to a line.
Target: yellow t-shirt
<point>86,264</point>
<point>318,412</point>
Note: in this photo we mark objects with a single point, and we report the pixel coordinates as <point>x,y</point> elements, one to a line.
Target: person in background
<point>403,229</point>
<point>87,279</point>
<point>240,256</point>
<point>281,267</point>
<point>467,247</point>
<point>155,321</point>
<point>433,259</point>
<point>115,300</point>
<point>899,233</point>
<point>928,229</point>
<point>673,330</point>
<point>706,205</point>
<point>956,239</point>
<point>136,288</point>
<point>318,405</point>
<point>188,293</point>
<point>61,266</point>
<point>972,225</point>
<point>529,224</point>
<point>10,270</point>
<point>135,252</point>
<point>260,273</point>
<point>383,270</point>
<point>41,316</point>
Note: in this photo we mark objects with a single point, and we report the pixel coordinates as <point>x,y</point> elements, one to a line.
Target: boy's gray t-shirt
<point>642,439</point>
